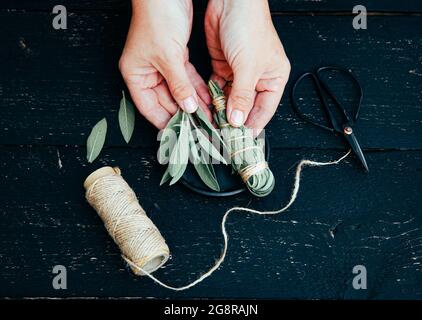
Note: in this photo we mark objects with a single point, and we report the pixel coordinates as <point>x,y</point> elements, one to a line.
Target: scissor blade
<point>354,144</point>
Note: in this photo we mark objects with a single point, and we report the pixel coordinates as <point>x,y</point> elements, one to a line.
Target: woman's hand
<point>245,48</point>
<point>155,61</point>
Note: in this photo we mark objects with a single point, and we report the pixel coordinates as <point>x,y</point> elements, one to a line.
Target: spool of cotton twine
<point>139,240</point>
<point>141,243</point>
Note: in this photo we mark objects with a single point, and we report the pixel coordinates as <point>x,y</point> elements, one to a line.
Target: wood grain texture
<point>71,78</point>
<point>200,5</point>
<point>342,218</point>
<point>55,85</point>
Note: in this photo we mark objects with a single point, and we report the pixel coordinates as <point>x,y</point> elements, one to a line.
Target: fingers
<point>241,97</point>
<point>148,105</point>
<point>155,96</point>
<point>219,80</point>
<point>198,83</point>
<point>269,95</point>
<point>265,107</point>
<point>201,89</point>
<point>164,98</point>
<point>182,90</point>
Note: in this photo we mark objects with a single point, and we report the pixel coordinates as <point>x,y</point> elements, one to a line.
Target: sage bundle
<point>187,138</point>
<point>247,156</point>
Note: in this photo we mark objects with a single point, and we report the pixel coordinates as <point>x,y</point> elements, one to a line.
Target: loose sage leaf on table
<point>96,140</point>
<point>126,118</point>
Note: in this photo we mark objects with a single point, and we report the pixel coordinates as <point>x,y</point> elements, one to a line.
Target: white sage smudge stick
<point>247,156</point>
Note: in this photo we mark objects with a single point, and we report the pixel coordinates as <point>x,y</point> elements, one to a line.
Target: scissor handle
<point>351,120</point>
<point>322,90</point>
<point>321,96</point>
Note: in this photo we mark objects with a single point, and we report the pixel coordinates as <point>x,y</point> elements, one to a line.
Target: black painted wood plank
<point>57,84</point>
<point>342,218</point>
<point>200,5</point>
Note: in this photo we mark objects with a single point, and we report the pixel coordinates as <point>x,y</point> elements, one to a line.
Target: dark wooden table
<point>56,84</point>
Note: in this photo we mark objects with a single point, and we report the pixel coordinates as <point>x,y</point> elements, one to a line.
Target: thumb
<point>180,86</point>
<point>241,98</point>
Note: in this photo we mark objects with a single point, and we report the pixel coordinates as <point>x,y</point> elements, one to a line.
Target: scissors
<point>324,92</point>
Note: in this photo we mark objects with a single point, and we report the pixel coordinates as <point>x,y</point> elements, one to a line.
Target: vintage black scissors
<point>324,92</point>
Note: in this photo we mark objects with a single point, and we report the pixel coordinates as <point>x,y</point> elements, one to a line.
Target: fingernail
<point>236,117</point>
<point>189,105</point>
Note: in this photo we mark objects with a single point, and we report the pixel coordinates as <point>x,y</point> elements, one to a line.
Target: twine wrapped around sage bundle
<point>247,156</point>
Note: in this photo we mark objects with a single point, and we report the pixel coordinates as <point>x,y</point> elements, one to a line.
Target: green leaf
<point>175,121</point>
<point>202,117</point>
<point>170,131</point>
<point>207,126</point>
<point>166,177</point>
<point>207,175</point>
<point>179,173</point>
<point>180,155</point>
<point>126,118</point>
<point>193,148</point>
<point>215,89</point>
<point>208,147</point>
<point>204,170</point>
<point>96,140</point>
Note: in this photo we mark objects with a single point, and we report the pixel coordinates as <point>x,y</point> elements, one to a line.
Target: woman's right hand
<point>245,48</point>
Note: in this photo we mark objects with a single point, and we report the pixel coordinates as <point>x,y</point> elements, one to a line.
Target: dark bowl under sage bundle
<point>246,154</point>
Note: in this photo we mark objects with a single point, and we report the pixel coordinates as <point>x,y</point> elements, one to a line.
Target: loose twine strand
<point>153,246</point>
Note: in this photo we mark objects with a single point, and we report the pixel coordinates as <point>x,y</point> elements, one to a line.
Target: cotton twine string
<point>136,235</point>
<point>139,240</point>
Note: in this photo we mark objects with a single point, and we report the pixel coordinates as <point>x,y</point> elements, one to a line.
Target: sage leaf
<point>204,170</point>
<point>174,122</point>
<point>204,119</point>
<point>166,177</point>
<point>183,141</point>
<point>208,147</point>
<point>206,173</point>
<point>126,118</point>
<point>179,173</point>
<point>169,136</point>
<point>182,125</point>
<point>180,154</point>
<point>207,125</point>
<point>193,149</point>
<point>96,140</point>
